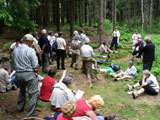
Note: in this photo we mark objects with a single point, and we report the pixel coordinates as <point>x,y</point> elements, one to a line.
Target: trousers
<point>28,82</point>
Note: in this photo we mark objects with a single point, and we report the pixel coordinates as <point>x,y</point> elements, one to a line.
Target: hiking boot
<point>135,95</point>
<point>130,87</point>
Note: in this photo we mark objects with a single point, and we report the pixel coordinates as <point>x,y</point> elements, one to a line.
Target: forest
<point>98,18</point>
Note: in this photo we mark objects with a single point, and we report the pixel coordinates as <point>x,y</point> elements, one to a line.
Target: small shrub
<point>94,46</point>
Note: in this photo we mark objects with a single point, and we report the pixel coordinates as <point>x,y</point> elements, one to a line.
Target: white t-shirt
<point>14,45</point>
<point>61,43</point>
<point>50,39</point>
<point>116,34</point>
<point>103,47</point>
<point>86,51</point>
<point>131,70</point>
<point>135,38</point>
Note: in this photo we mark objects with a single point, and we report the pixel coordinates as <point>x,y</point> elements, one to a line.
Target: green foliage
<point>16,14</point>
<point>107,25</point>
<point>7,46</point>
<point>4,14</point>
<point>94,46</point>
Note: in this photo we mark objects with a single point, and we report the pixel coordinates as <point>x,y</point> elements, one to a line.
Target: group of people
<point>149,83</point>
<point>31,51</point>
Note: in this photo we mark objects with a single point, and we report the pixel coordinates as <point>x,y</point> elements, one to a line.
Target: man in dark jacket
<point>149,54</point>
<point>46,48</point>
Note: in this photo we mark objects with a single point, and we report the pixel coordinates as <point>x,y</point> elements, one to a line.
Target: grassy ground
<point>114,93</point>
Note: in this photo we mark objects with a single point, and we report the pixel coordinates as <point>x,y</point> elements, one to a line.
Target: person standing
<point>61,51</point>
<point>45,50</point>
<point>149,54</point>
<point>75,49</point>
<point>115,40</point>
<point>26,63</point>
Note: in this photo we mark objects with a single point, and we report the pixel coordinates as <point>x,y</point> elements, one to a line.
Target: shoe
<point>135,95</point>
<point>110,117</point>
<point>130,87</point>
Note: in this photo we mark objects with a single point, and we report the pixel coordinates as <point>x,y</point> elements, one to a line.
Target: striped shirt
<point>25,58</point>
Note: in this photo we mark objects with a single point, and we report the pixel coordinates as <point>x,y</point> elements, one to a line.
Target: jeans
<point>14,81</point>
<point>114,42</point>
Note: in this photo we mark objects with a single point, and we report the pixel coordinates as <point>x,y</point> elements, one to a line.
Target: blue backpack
<point>115,67</point>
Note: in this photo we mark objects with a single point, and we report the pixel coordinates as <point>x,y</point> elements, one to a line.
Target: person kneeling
<point>149,85</point>
<point>129,73</point>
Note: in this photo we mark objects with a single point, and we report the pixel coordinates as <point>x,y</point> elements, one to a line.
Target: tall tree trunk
<point>62,11</point>
<point>54,12</point>
<point>151,14</point>
<point>129,14</point>
<point>90,12</point>
<point>105,9</point>
<point>39,14</point>
<point>142,15</point>
<point>100,20</point>
<point>85,12</point>
<point>71,16</point>
<point>47,9</point>
<point>1,26</point>
<point>134,13</point>
<point>114,14</point>
<point>57,15</point>
<point>80,13</point>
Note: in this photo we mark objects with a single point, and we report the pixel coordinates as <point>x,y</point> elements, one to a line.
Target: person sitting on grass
<point>148,84</point>
<point>47,83</point>
<point>129,73</point>
<point>104,49</point>
<point>86,107</point>
<point>61,93</point>
<point>6,83</point>
<point>68,110</point>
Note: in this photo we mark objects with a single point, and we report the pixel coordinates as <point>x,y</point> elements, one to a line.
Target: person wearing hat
<point>88,58</point>
<point>115,40</point>
<point>61,51</point>
<point>45,46</point>
<point>61,93</point>
<point>148,54</point>
<point>75,49</point>
<point>25,64</point>
<point>148,84</point>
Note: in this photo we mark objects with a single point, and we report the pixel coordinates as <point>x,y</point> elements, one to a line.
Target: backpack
<point>115,67</point>
<point>100,62</point>
<point>140,44</point>
<point>54,46</point>
<point>75,45</point>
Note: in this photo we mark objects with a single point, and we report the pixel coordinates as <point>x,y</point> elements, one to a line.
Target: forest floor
<point>114,93</point>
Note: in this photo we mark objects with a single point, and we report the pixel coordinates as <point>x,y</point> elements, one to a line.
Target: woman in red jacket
<point>47,83</point>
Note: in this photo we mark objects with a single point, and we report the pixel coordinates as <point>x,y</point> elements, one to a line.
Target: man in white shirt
<point>115,40</point>
<point>61,51</point>
<point>87,58</point>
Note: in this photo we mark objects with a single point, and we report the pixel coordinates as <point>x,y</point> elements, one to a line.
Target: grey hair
<point>5,66</point>
<point>146,72</point>
<point>67,80</point>
<point>130,62</point>
<point>147,39</point>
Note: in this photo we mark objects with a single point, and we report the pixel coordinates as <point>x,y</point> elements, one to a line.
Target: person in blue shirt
<point>46,48</point>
